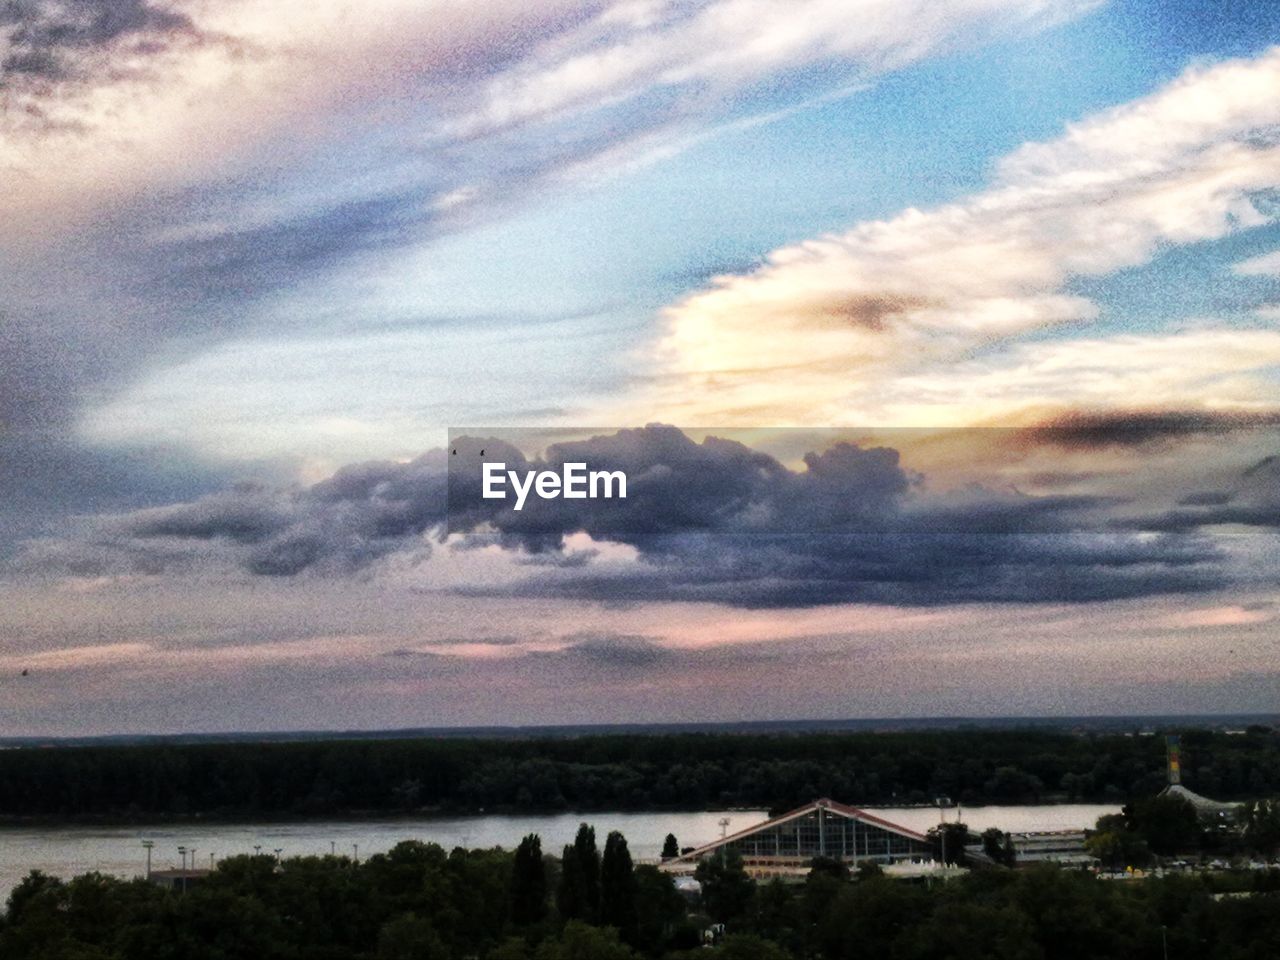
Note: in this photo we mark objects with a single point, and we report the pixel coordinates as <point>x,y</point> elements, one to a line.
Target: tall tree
<point>1168,823</point>
<point>727,891</point>
<point>618,887</point>
<point>949,841</point>
<point>1261,821</point>
<point>569,898</point>
<point>528,883</point>
<point>578,896</point>
<point>670,847</point>
<point>998,845</point>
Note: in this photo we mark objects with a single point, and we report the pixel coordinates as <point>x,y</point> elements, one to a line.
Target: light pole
<point>147,845</point>
<point>355,850</point>
<point>183,851</point>
<point>257,849</point>
<point>943,803</point>
<point>278,849</point>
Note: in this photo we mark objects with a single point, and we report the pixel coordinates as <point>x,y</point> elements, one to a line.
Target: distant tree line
<point>618,772</point>
<point>418,902</point>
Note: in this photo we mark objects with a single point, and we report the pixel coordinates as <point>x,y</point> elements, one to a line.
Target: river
<point>67,851</point>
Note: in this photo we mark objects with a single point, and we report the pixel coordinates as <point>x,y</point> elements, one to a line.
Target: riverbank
<point>118,851</point>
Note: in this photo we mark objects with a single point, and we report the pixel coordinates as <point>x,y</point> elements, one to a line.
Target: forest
<point>241,780</point>
<point>418,902</point>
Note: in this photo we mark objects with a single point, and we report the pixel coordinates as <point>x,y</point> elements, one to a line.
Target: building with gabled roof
<point>787,844</point>
<point>1204,807</point>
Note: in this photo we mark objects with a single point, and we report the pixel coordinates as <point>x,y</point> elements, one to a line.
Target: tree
<point>1012,783</point>
<point>1168,823</point>
<point>869,870</point>
<point>829,866</point>
<point>578,896</point>
<point>410,938</point>
<point>528,883</point>
<point>1261,825</point>
<point>727,891</point>
<point>868,917</point>
<point>1118,848</point>
<point>998,846</point>
<point>582,942</point>
<point>952,850</point>
<point>970,931</point>
<point>670,847</point>
<point>659,906</point>
<point>748,946</point>
<point>618,887</point>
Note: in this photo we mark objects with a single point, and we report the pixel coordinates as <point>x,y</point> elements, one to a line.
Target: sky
<point>941,341</point>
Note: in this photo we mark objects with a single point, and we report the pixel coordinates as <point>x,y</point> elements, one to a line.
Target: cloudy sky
<point>941,342</point>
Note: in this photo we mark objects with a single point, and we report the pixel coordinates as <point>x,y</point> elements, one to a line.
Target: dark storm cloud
<point>363,512</point>
<point>1082,429</point>
<point>900,570</point>
<point>676,485</point>
<point>46,37</point>
<point>710,521</point>
<point>1253,501</point>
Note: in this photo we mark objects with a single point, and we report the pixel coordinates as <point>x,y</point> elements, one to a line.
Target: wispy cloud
<point>867,325</point>
<point>175,165</point>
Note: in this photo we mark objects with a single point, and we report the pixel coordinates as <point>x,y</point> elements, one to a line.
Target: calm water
<point>66,852</point>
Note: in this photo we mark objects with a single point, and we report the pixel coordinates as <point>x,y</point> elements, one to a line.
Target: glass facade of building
<point>787,845</point>
<point>823,832</point>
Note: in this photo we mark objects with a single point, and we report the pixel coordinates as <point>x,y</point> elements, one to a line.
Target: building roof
<point>830,806</point>
<point>1203,805</point>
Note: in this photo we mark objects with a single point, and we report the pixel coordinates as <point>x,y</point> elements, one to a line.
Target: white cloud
<point>1266,265</point>
<point>1217,370</point>
<point>448,78</point>
<point>632,49</point>
<point>827,329</point>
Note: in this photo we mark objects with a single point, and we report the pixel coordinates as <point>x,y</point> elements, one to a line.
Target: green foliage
<point>1261,822</point>
<point>727,891</point>
<point>578,896</point>
<point>998,845</point>
<point>660,909</point>
<point>747,946</point>
<point>582,942</point>
<point>418,903</point>
<point>410,938</point>
<point>949,841</point>
<point>528,883</point>
<point>869,870</point>
<point>1167,823</point>
<point>670,847</point>
<point>618,889</point>
<point>1118,848</point>
<point>616,772</point>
